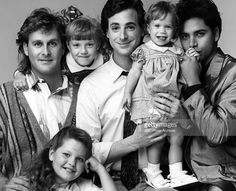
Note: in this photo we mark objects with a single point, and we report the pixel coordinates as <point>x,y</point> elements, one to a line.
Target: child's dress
<point>80,185</point>
<point>159,74</point>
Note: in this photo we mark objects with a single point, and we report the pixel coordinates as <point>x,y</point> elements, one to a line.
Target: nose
<point>46,50</point>
<point>162,29</point>
<point>83,50</point>
<point>123,34</point>
<point>193,42</point>
<point>72,161</point>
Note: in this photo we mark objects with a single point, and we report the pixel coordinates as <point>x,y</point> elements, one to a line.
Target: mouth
<point>83,56</point>
<point>124,44</point>
<point>163,38</point>
<point>45,60</point>
<point>70,170</point>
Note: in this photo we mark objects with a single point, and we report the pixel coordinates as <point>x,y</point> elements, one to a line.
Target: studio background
<point>14,12</point>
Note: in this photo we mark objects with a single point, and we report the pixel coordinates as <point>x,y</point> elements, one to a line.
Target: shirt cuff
<point>191,90</point>
<point>101,150</point>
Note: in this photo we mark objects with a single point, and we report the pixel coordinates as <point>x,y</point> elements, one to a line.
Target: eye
<point>53,44</point>
<point>90,45</point>
<point>37,44</point>
<point>169,27</point>
<point>115,28</point>
<point>67,155</point>
<point>80,159</point>
<point>75,45</point>
<point>184,37</point>
<point>200,34</point>
<point>131,27</point>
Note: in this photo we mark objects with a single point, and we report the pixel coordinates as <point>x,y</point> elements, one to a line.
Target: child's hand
<point>192,52</point>
<point>20,82</point>
<point>93,164</point>
<point>126,102</point>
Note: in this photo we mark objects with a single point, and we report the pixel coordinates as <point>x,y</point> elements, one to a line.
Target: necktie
<point>129,163</point>
<point>124,73</point>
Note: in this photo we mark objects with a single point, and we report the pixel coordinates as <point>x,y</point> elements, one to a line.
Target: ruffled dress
<point>160,73</point>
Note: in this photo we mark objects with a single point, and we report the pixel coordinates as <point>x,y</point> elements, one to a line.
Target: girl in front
<point>60,165</point>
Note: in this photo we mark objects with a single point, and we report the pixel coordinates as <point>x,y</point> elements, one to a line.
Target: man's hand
<point>20,183</point>
<point>148,133</point>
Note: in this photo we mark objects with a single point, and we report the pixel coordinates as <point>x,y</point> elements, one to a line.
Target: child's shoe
<point>156,180</point>
<point>181,179</point>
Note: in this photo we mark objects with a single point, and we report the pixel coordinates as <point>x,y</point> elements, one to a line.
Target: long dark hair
<point>40,19</point>
<point>41,173</point>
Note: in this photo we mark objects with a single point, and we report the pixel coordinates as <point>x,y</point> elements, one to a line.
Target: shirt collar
<point>175,49</point>
<point>32,80</point>
<point>115,68</point>
<point>74,67</point>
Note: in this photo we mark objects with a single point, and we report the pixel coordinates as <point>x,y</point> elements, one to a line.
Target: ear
<point>25,47</point>
<point>217,34</point>
<point>51,155</point>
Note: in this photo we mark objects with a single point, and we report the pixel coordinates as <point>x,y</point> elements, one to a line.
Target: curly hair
<point>41,172</point>
<point>40,19</point>
<point>203,9</point>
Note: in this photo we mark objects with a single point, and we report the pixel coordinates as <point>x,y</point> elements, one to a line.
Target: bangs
<point>83,35</point>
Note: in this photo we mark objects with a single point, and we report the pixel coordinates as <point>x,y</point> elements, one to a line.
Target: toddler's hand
<point>192,52</point>
<point>20,83</point>
<point>126,102</point>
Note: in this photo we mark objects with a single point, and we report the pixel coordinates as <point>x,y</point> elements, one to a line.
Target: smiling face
<point>196,34</point>
<point>83,51</point>
<point>124,32</point>
<point>68,160</point>
<point>162,30</point>
<point>45,51</point>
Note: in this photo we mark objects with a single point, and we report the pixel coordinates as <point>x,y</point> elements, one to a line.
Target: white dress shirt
<point>99,110</point>
<point>49,108</point>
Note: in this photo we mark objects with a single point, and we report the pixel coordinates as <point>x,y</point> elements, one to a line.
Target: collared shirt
<point>74,67</point>
<point>99,109</point>
<point>49,108</point>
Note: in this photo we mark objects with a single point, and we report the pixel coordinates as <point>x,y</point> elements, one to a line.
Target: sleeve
<point>215,119</point>
<point>138,55</point>
<point>87,118</point>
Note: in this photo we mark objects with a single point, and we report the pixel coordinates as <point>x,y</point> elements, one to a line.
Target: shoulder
<point>97,77</point>
<point>7,87</point>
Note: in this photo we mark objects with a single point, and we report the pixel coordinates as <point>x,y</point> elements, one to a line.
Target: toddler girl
<point>155,69</point>
<point>60,165</point>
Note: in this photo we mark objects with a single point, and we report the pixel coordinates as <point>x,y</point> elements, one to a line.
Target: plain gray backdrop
<point>14,12</point>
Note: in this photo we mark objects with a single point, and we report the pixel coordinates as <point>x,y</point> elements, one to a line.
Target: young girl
<point>60,165</point>
<point>155,69</point>
<point>87,47</point>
